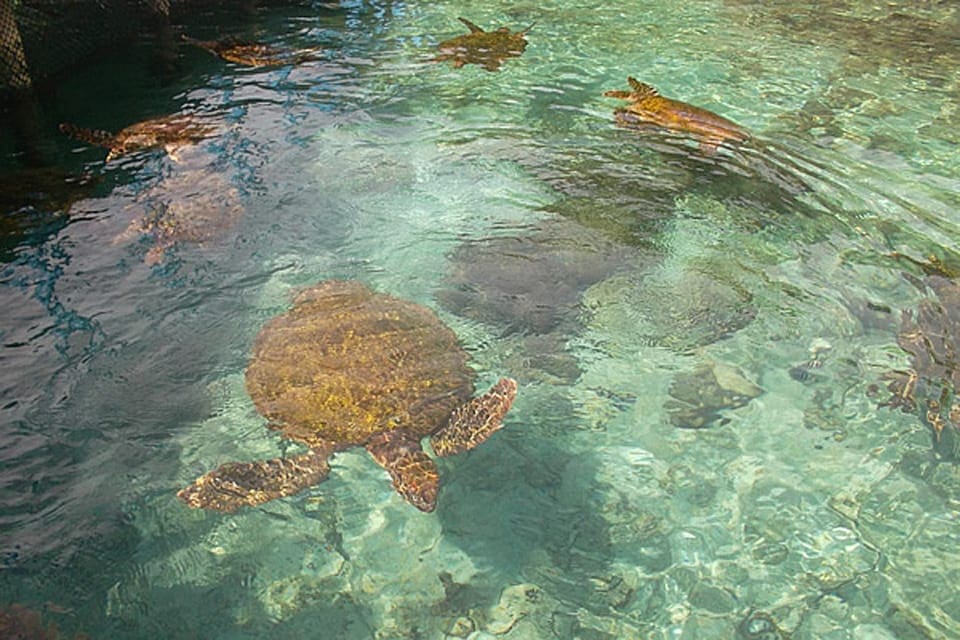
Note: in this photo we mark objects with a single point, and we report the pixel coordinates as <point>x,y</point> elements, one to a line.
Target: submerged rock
<point>698,398</point>
<point>681,310</point>
<point>35,202</point>
<point>758,626</point>
<point>531,285</point>
<point>20,623</point>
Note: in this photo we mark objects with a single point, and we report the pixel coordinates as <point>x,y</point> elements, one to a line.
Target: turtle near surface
<point>485,48</point>
<point>647,108</point>
<point>348,367</point>
<point>252,54</point>
<point>169,132</point>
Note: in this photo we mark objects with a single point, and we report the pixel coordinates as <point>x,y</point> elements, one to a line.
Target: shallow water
<point>619,276</point>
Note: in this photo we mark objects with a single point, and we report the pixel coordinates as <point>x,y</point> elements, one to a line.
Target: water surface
<point>617,275</point>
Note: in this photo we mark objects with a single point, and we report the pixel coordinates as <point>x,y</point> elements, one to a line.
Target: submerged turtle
<point>931,335</point>
<point>170,132</point>
<point>196,203</point>
<point>485,48</point>
<point>349,367</point>
<point>251,54</point>
<point>648,108</point>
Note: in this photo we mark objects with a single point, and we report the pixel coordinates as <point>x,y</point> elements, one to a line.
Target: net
<point>41,38</point>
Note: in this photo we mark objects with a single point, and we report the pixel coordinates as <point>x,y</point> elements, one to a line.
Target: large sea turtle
<point>648,108</point>
<point>485,48</point>
<point>170,132</point>
<point>251,54</point>
<point>349,367</point>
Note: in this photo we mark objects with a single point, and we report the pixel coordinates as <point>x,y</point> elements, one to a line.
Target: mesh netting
<point>40,38</point>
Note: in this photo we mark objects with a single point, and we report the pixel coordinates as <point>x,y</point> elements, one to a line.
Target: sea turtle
<point>170,132</point>
<point>349,367</point>
<point>195,203</point>
<point>648,108</point>
<point>500,279</point>
<point>251,54</point>
<point>485,48</point>
<point>931,335</point>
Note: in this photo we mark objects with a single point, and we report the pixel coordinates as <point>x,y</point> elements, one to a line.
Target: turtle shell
<point>485,48</point>
<point>346,363</point>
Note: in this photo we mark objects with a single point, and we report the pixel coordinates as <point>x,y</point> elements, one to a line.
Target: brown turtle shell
<point>252,54</point>
<point>648,108</point>
<point>171,132</point>
<point>346,363</point>
<point>485,48</point>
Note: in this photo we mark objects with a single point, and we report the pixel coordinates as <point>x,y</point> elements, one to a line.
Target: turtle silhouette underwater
<point>251,54</point>
<point>348,367</point>
<point>485,48</point>
<point>648,108</point>
<point>929,335</point>
<point>194,203</point>
<point>170,132</point>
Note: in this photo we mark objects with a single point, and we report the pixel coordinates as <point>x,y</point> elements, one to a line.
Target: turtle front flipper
<point>641,90</point>
<point>413,473</point>
<point>239,484</point>
<point>475,421</point>
<point>209,45</point>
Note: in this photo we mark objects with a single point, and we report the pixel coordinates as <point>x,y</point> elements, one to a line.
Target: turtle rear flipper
<point>238,484</point>
<point>473,422</point>
<point>414,474</point>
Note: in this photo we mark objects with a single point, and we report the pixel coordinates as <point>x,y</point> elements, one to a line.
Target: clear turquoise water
<point>608,271</point>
